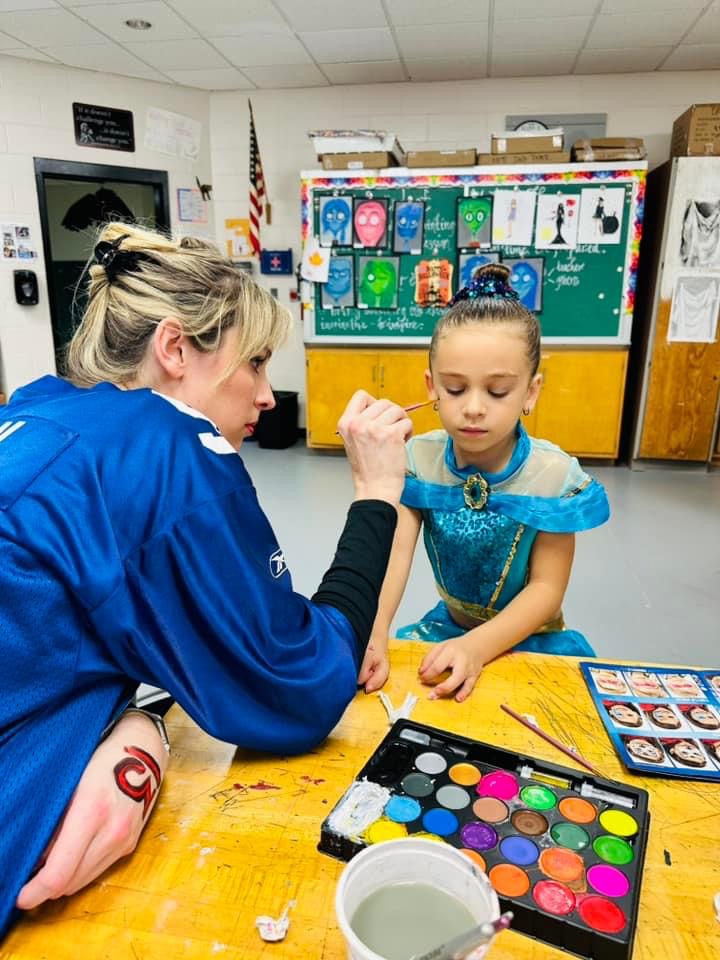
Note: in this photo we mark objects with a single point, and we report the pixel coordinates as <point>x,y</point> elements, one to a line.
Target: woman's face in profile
<point>235,402</point>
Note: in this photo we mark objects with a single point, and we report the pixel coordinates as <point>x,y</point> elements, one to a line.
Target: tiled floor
<point>646,586</point>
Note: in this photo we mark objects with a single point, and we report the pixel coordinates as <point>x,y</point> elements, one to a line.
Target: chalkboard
<point>586,293</point>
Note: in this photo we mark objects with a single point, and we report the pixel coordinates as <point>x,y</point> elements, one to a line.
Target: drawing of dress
<point>694,310</point>
<point>599,215</point>
<point>512,216</point>
<point>700,243</point>
<point>559,221</point>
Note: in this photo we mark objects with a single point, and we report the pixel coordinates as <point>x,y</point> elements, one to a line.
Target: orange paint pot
<point>563,865</point>
<point>509,881</point>
<point>577,810</point>
<point>475,857</point>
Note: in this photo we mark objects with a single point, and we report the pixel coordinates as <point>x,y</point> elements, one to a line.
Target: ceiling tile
<point>6,41</point>
<point>707,29</point>
<point>338,15</point>
<point>634,60</point>
<point>230,18</point>
<point>521,64</point>
<point>6,5</point>
<point>561,33</point>
<point>300,75</point>
<point>27,53</point>
<point>694,56</point>
<point>411,13</point>
<point>637,29</point>
<point>350,46</point>
<point>262,49</point>
<point>42,27</point>
<point>379,71</point>
<point>166,25</point>
<point>650,6</point>
<point>529,9</point>
<point>445,41</point>
<point>437,70</point>
<point>98,56</point>
<point>223,78</point>
<point>178,54</point>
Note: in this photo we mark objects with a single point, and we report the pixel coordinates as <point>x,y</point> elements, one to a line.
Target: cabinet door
<point>332,376</point>
<point>580,406</point>
<point>402,379</point>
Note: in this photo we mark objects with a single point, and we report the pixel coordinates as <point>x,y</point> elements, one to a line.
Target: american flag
<point>257,188</point>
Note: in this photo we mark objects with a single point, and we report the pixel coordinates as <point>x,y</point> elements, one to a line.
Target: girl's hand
<point>375,666</point>
<point>464,661</point>
<point>106,814</point>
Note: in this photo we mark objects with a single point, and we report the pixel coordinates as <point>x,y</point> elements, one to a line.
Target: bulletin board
<point>545,222</point>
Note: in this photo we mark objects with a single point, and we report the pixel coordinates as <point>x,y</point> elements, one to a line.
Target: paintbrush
<point>465,943</point>
<point>568,751</point>
<point>413,406</point>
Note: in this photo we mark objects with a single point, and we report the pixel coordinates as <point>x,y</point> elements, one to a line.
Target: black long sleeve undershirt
<point>353,582</point>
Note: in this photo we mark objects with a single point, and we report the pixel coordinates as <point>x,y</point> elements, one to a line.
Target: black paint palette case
<point>564,850</point>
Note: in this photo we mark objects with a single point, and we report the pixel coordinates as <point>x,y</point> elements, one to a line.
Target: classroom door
<point>75,200</point>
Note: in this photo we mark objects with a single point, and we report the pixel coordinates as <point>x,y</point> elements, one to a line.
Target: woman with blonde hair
<point>133,549</point>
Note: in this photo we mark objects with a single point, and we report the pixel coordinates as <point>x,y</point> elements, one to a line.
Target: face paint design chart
<point>660,720</point>
<point>564,850</point>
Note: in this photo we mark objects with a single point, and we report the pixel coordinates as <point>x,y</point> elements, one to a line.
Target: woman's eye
<point>257,362</point>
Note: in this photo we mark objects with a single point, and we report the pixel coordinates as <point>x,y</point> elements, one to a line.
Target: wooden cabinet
<point>581,402</point>
<point>579,408</point>
<point>333,375</point>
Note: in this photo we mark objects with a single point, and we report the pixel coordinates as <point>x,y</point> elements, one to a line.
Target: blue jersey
<point>133,549</point>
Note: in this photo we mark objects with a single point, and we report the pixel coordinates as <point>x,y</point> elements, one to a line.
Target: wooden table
<point>235,833</point>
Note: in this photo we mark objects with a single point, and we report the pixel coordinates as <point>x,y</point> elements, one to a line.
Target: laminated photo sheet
<point>660,720</point>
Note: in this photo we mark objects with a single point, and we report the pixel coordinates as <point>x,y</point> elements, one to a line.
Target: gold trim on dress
<point>482,614</point>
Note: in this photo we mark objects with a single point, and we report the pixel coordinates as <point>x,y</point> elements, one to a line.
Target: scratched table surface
<point>234,835</point>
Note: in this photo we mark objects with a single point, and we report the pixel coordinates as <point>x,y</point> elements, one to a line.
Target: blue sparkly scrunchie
<point>486,286</point>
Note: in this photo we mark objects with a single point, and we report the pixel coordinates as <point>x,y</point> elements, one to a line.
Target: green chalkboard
<point>585,284</point>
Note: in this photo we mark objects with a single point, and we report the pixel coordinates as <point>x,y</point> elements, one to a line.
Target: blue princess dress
<point>479,530</point>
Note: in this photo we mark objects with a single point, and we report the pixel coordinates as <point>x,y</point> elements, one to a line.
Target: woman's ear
<point>169,346</point>
<point>432,392</point>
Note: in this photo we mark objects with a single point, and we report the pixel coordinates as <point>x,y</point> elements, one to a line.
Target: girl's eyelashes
<point>494,393</point>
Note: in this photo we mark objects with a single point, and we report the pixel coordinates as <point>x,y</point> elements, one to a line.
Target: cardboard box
<point>518,159</point>
<point>697,132</point>
<point>608,149</point>
<point>358,161</point>
<point>513,141</point>
<point>441,158</point>
<point>356,141</point>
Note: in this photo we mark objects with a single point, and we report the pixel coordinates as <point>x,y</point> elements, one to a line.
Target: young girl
<point>498,509</point>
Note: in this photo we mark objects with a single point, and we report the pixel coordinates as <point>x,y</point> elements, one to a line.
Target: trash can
<point>277,429</point>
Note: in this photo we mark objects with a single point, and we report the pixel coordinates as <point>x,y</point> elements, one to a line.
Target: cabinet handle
<point>382,376</point>
<point>374,369</point>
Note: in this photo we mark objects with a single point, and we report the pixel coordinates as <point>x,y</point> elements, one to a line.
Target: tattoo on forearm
<point>139,762</point>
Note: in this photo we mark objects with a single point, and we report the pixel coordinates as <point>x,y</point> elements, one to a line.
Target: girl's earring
<point>436,406</point>
<point>526,411</point>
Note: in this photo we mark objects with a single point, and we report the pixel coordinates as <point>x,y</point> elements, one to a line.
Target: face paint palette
<point>563,849</point>
<point>660,720</point>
